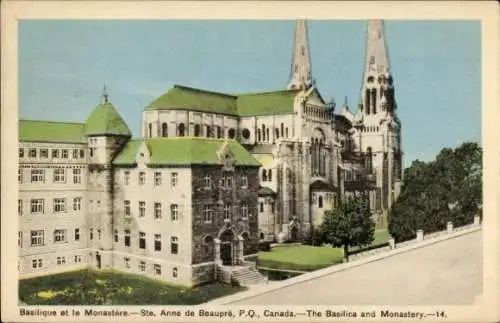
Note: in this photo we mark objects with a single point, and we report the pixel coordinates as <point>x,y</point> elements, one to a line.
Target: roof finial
<point>104,95</point>
<point>346,104</point>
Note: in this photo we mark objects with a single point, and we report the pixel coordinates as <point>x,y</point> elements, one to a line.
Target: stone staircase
<point>246,276</point>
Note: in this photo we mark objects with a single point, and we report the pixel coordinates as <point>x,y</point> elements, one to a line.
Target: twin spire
<point>377,63</point>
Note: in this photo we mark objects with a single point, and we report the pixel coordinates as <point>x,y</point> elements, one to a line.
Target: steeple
<point>300,74</point>
<point>377,91</point>
<point>104,96</point>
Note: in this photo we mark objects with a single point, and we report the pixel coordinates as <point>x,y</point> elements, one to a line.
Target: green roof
<point>185,151</point>
<point>244,105</point>
<point>181,97</point>
<point>105,120</point>
<point>266,103</point>
<point>50,131</point>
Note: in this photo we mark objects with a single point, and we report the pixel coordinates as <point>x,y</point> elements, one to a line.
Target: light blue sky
<point>436,66</point>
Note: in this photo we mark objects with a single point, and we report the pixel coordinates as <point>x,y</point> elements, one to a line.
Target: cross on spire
<point>104,97</point>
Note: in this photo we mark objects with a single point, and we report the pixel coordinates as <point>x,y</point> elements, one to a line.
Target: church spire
<point>104,96</point>
<point>300,75</point>
<point>377,91</point>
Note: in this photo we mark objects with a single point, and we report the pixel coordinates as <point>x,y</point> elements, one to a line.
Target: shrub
<point>264,246</point>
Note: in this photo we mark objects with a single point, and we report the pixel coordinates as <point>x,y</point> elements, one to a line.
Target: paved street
<point>447,273</point>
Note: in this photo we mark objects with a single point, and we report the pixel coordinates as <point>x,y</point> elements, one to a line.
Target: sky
<point>436,66</point>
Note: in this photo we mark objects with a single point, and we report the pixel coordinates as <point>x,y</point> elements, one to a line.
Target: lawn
<point>88,287</point>
<point>309,258</point>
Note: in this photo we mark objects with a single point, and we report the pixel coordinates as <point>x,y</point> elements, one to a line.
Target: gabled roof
<point>266,103</point>
<point>183,97</point>
<point>50,131</point>
<point>243,105</point>
<point>185,151</point>
<point>105,120</point>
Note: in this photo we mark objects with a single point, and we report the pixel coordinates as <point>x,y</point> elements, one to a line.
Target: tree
<point>350,225</point>
<point>448,188</point>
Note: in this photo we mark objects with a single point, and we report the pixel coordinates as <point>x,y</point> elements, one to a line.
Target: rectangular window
<point>142,266</point>
<point>99,234</point>
<point>55,153</point>
<point>44,153</point>
<point>142,240</point>
<point>157,269</point>
<point>32,152</point>
<point>157,242</point>
<point>64,153</point>
<point>174,272</point>
<point>157,178</point>
<point>126,260</point>
<point>37,206</point>
<point>77,204</point>
<point>59,175</point>
<point>37,263</point>
<point>142,178</point>
<point>116,235</point>
<point>227,212</point>
<point>59,236</point>
<point>78,259</point>
<point>75,153</point>
<point>91,152</point>
<point>91,233</point>
<point>157,211</point>
<point>37,175</point>
<point>20,239</point>
<point>127,238</point>
<point>207,214</point>
<point>142,209</point>
<point>20,207</point>
<point>59,205</point>
<point>207,181</point>
<point>126,205</point>
<point>61,260</point>
<point>21,152</point>
<point>20,177</point>
<point>244,211</point>
<point>37,238</point>
<point>174,245</point>
<point>82,153</point>
<point>244,180</point>
<point>173,179</point>
<point>174,212</point>
<point>77,234</point>
<point>77,176</point>
<point>126,177</point>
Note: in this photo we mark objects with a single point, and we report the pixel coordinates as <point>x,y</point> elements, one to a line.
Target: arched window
<point>164,129</point>
<point>277,133</point>
<point>369,160</point>
<point>258,135</point>
<point>231,133</point>
<point>263,133</point>
<point>181,130</point>
<point>282,129</point>
<point>219,132</point>
<point>261,208</point>
<point>367,101</point>
<point>267,134</point>
<point>209,131</point>
<point>286,132</point>
<point>374,101</point>
<point>261,236</point>
<point>320,202</point>
<point>270,175</point>
<point>197,130</point>
<point>264,175</point>
<point>208,244</point>
<point>150,130</point>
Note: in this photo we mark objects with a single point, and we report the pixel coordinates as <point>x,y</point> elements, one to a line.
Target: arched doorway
<point>294,234</point>
<point>226,247</point>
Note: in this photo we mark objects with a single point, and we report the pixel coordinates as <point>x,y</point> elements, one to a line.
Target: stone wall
<point>203,273</point>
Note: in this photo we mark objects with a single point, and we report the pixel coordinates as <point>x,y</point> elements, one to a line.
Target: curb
<point>263,289</point>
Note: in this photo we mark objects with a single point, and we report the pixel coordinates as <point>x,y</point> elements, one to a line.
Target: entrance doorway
<point>294,236</point>
<point>227,247</point>
<point>98,261</point>
<point>226,253</point>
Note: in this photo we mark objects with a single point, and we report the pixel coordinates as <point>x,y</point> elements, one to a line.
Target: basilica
<point>210,176</point>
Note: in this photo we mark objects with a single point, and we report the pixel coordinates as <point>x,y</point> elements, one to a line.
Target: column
<point>217,259</point>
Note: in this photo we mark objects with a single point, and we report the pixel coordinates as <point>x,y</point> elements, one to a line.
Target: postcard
<point>247,161</point>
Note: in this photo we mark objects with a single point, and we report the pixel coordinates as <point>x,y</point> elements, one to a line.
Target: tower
<point>380,131</point>
<point>106,134</point>
<point>301,73</point>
